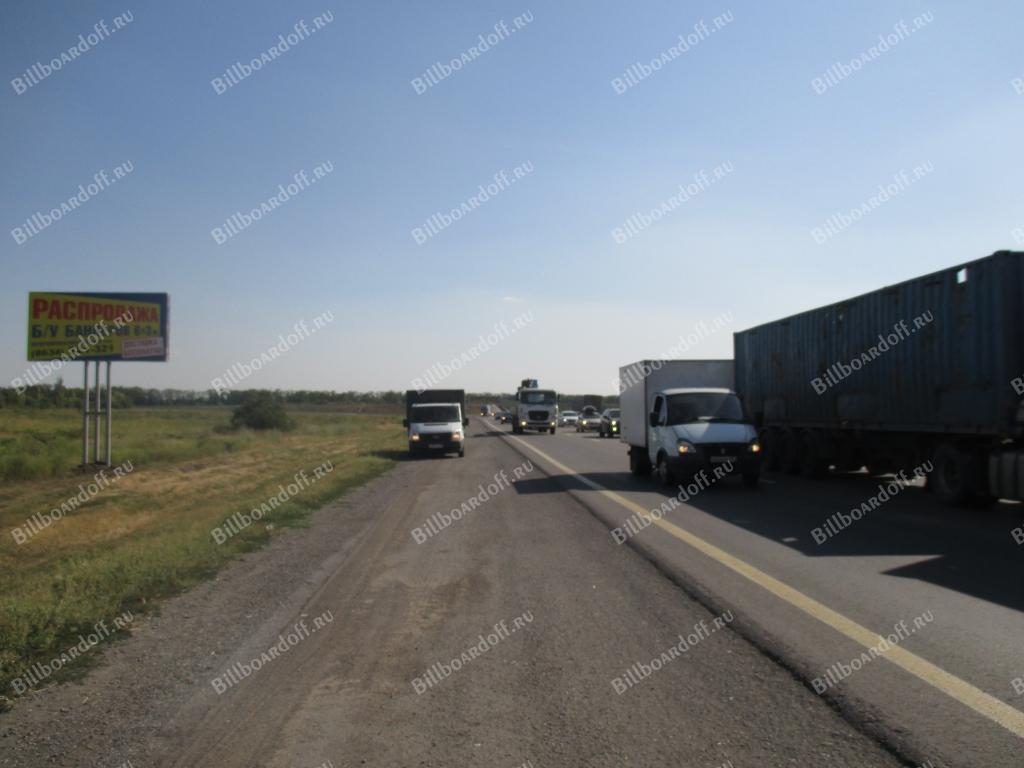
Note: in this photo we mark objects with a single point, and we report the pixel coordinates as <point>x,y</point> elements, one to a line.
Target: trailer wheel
<point>790,453</point>
<point>812,463</point>
<point>770,457</point>
<point>951,476</point>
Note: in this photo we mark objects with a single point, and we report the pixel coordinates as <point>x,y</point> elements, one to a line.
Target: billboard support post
<point>85,414</point>
<point>96,415</point>
<point>110,411</point>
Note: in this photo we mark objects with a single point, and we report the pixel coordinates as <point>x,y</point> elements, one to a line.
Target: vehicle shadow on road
<point>965,550</point>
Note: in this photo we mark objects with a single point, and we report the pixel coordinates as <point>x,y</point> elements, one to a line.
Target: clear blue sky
<point>743,95</point>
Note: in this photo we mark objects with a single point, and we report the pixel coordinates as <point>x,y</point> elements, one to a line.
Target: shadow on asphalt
<point>971,551</point>
<point>397,455</point>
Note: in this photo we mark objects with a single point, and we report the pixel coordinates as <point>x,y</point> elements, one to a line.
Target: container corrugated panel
<point>954,338</point>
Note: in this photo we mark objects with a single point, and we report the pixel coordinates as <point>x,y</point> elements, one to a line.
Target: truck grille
<point>538,415</point>
<point>723,449</point>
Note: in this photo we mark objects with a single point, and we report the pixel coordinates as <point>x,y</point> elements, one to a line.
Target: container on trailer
<point>892,378</point>
<point>933,354</point>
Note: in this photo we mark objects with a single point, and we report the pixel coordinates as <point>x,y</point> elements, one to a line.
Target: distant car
<point>568,418</point>
<point>504,417</point>
<point>609,423</point>
<point>589,420</point>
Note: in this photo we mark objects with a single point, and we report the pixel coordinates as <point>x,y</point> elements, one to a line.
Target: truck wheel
<point>462,453</point>
<point>552,430</point>
<point>639,464</point>
<point>665,475</point>
<point>951,475</point>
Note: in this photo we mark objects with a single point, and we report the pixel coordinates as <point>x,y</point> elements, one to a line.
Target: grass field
<point>147,534</point>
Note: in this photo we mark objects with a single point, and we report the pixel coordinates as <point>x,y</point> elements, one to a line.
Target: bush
<point>261,411</point>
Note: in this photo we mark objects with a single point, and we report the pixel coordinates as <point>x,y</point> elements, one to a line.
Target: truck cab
<point>536,408</point>
<point>695,429</point>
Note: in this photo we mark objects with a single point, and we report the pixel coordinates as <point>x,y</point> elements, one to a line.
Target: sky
<point>938,116</point>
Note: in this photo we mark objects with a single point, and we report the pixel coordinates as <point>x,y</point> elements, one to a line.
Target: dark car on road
<point>609,423</point>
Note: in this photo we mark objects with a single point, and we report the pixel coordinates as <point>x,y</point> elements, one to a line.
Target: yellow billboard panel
<point>97,326</point>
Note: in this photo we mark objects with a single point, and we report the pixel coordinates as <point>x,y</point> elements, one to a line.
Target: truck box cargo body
<point>887,378</point>
<point>439,429</point>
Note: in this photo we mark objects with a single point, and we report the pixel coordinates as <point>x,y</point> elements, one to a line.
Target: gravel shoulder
<point>348,693</point>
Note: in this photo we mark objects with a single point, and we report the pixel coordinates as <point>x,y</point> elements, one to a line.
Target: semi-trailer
<point>436,420</point>
<point>922,374</point>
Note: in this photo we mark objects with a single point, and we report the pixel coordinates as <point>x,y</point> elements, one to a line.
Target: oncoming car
<point>609,423</point>
<point>568,418</point>
<point>589,420</point>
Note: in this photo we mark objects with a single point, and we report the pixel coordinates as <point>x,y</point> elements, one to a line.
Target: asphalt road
<point>378,685</point>
<point>946,692</point>
<point>519,632</point>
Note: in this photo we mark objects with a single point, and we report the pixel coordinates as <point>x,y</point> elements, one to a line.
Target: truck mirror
<point>405,423</point>
<point>654,419</point>
<point>465,422</point>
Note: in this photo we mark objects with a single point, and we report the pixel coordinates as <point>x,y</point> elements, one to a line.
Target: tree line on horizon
<point>57,395</point>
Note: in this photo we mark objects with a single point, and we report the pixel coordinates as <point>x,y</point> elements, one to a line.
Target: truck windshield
<point>704,406</point>
<point>435,414</point>
<point>540,397</point>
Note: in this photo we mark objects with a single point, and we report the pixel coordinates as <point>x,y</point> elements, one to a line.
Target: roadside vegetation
<point>147,535</point>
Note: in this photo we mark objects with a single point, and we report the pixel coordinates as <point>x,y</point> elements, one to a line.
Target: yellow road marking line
<point>988,706</point>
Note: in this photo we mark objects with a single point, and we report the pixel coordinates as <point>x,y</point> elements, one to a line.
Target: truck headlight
<point>456,435</point>
<point>522,423</point>
<point>414,437</point>
<point>552,423</point>
<point>584,422</point>
<point>754,447</point>
<point>685,448</point>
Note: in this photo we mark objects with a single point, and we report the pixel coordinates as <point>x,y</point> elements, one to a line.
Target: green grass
<point>147,535</point>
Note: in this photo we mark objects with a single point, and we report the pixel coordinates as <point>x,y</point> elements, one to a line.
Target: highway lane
<point>413,592</point>
<point>958,572</point>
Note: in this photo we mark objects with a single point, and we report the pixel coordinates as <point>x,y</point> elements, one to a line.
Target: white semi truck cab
<point>536,408</point>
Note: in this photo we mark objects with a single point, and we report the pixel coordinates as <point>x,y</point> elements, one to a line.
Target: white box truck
<point>681,417</point>
<point>436,421</point>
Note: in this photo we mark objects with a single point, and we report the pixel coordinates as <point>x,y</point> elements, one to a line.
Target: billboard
<point>97,326</point>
